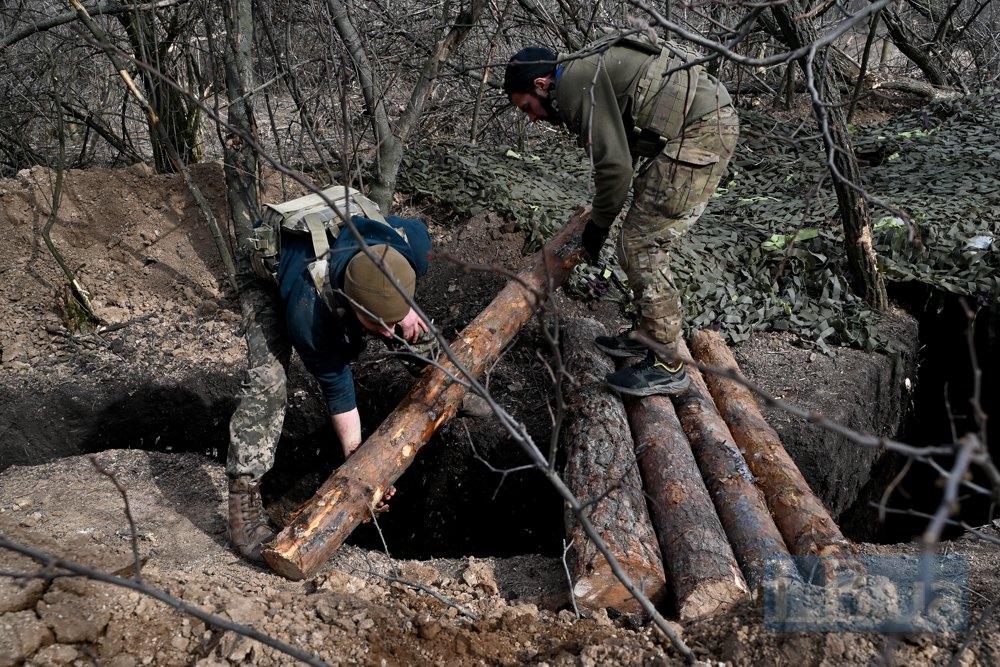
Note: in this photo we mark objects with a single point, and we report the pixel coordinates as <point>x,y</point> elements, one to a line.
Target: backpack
<point>310,215</point>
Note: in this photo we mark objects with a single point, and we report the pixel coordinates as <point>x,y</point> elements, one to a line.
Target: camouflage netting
<point>769,253</point>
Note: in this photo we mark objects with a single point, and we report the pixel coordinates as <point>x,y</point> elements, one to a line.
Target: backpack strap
<point>310,215</point>
<point>320,241</point>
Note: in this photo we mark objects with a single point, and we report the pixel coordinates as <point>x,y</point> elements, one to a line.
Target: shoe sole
<point>657,390</point>
<point>620,353</point>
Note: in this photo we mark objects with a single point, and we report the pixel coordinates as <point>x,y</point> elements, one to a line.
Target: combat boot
<point>648,377</point>
<point>249,525</point>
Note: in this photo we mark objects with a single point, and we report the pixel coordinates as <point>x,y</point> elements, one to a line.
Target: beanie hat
<point>525,66</point>
<point>366,284</point>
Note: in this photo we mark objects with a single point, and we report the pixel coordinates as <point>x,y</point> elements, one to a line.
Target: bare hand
<point>383,504</point>
<point>411,327</point>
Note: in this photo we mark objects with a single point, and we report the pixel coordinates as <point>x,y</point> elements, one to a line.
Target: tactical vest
<point>666,90</point>
<point>312,215</point>
<point>666,93</point>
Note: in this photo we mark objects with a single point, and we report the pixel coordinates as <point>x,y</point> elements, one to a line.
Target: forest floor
<point>150,395</point>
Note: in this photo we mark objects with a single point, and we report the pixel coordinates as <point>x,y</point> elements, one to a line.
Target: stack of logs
<point>715,538</point>
<point>726,503</point>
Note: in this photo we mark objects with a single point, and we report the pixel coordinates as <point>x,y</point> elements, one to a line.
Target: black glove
<point>593,240</point>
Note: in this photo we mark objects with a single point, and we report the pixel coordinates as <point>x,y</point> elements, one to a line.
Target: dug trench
<point>957,376</point>
<point>164,375</point>
<point>468,493</point>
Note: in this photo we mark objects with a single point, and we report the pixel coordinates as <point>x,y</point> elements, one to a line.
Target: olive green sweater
<point>595,96</point>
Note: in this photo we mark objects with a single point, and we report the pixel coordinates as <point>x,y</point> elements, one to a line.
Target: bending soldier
<point>633,104</point>
<point>323,309</point>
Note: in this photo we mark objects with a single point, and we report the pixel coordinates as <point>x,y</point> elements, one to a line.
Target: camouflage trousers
<point>671,192</point>
<point>255,426</point>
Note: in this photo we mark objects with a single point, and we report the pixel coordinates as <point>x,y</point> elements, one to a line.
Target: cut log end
<point>711,598</point>
<point>601,590</point>
<point>283,566</point>
<point>601,471</point>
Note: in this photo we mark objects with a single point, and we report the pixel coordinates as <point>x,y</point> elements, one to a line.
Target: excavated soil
<point>463,570</point>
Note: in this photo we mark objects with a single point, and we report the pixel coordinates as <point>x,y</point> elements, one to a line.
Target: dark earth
<point>464,569</point>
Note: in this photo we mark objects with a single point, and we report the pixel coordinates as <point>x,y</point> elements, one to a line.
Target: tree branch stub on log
<point>806,525</point>
<point>345,499</point>
<point>602,473</point>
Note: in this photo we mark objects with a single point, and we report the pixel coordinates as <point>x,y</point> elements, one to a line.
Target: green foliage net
<point>769,253</point>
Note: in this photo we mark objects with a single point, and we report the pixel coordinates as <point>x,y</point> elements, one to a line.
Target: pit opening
<point>939,410</point>
<point>470,491</point>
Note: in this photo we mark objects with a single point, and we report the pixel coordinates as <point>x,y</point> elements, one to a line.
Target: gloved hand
<point>593,240</point>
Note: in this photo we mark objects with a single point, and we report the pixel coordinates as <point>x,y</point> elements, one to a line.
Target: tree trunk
<point>805,524</point>
<point>867,282</point>
<point>240,160</point>
<point>703,571</point>
<point>866,279</point>
<point>922,88</point>
<point>738,501</point>
<point>601,472</point>
<point>917,49</point>
<point>391,141</point>
<point>345,499</point>
<point>178,118</point>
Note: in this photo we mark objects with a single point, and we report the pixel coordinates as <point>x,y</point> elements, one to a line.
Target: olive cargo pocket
<point>679,179</point>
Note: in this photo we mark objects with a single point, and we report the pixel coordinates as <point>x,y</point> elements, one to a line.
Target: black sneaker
<point>620,346</point>
<point>648,377</point>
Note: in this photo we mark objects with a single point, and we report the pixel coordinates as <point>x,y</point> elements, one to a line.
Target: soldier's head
<point>372,295</point>
<point>529,81</point>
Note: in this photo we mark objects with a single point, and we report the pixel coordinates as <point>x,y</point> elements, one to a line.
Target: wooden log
<point>702,570</point>
<point>804,522</point>
<point>345,499</point>
<point>602,473</point>
<point>739,503</point>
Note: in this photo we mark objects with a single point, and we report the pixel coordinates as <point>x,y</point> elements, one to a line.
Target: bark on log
<point>345,499</point>
<point>699,561</point>
<point>602,473</point>
<point>806,525</point>
<point>739,503</point>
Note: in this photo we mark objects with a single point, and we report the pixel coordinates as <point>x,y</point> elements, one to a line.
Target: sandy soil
<point>139,246</point>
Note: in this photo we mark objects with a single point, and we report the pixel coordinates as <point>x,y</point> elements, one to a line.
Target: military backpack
<point>320,215</point>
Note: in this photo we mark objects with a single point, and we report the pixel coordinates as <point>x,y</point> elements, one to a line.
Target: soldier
<point>646,113</point>
<point>325,309</point>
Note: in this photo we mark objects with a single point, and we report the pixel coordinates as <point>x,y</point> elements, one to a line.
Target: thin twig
<point>133,532</point>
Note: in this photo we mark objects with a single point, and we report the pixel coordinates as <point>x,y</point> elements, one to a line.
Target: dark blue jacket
<point>328,341</point>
